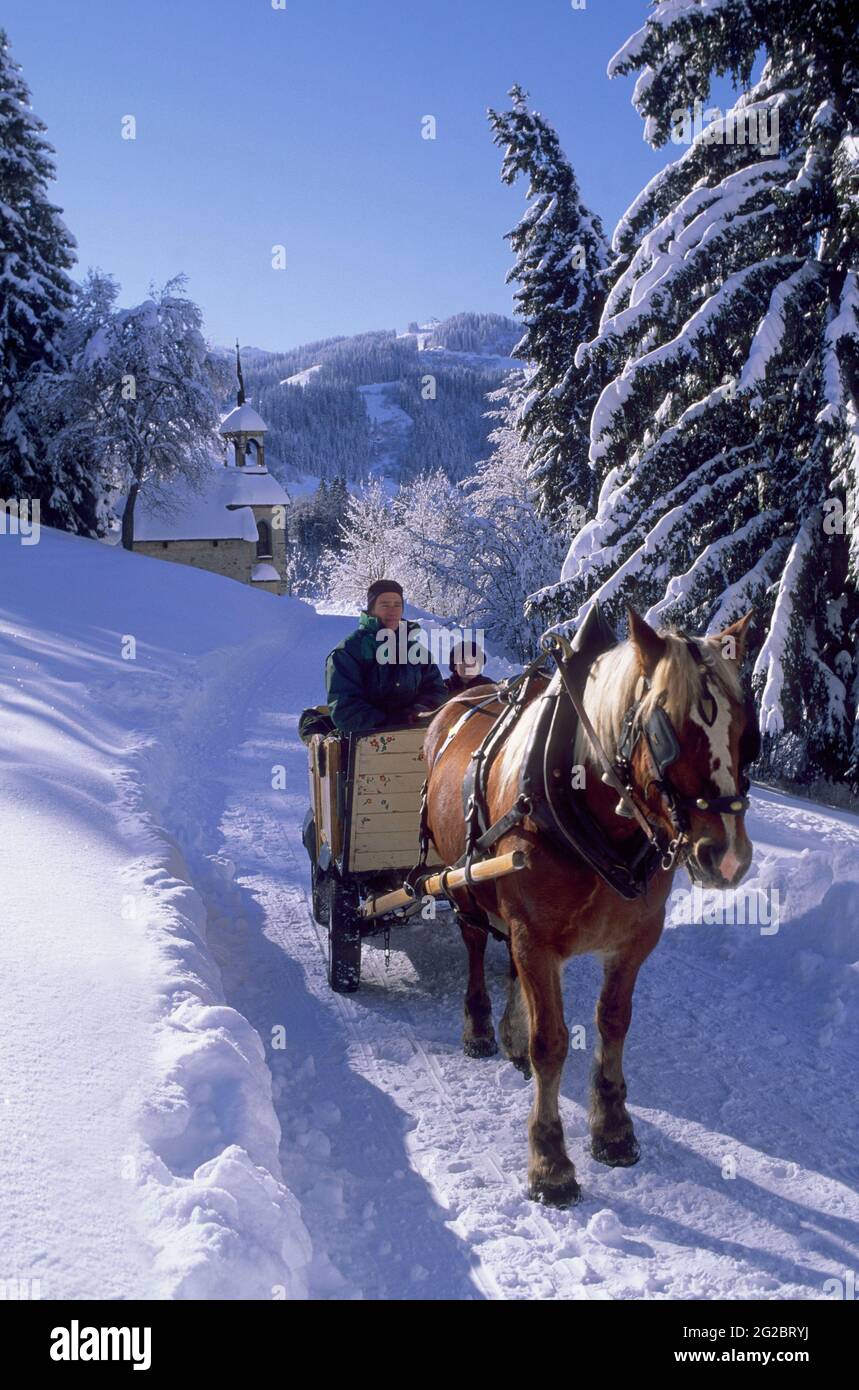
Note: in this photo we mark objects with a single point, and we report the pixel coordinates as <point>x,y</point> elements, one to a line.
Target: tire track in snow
<point>371,967</point>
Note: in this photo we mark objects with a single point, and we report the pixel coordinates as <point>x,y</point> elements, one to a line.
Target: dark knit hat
<point>382,586</point>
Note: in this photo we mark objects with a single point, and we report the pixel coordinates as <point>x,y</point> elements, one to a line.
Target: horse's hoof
<point>479,1047</point>
<point>616,1153</point>
<point>555,1194</point>
<point>522,1064</point>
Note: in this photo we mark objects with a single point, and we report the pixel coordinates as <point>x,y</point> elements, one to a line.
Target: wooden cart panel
<point>388,772</point>
<point>371,821</point>
<point>326,791</point>
<point>384,783</point>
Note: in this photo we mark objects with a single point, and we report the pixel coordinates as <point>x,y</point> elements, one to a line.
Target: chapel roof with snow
<point>243,417</point>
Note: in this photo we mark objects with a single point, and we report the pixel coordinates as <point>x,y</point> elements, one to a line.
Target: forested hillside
<point>426,411</point>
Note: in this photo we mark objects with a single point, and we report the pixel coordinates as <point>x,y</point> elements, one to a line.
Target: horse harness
<point>546,792</point>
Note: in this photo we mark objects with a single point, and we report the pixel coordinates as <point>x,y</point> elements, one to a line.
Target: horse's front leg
<point>613,1139</point>
<point>478,1035</point>
<point>551,1175</point>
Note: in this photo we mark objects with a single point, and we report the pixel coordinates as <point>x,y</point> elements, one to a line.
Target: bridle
<point>662,749</point>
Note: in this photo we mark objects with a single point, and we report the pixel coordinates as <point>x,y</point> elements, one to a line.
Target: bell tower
<point>244,430</point>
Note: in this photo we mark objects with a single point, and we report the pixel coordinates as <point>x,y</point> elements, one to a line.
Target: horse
<point>558,905</point>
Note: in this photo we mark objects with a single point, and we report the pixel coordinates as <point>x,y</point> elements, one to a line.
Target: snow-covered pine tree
<point>335,512</point>
<point>36,252</point>
<point>726,439</point>
<point>74,484</point>
<point>560,258</point>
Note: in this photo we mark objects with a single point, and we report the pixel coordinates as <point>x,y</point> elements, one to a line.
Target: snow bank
<point>112,668</point>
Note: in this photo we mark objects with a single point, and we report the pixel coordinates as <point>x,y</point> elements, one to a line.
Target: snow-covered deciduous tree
<point>468,553</point>
<point>725,439</point>
<point>561,254</point>
<point>430,519</point>
<point>365,552</point>
<point>36,253</point>
<point>408,536</point>
<point>506,549</point>
<point>141,394</point>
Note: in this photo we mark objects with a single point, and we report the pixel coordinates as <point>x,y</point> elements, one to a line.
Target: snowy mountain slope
<point>438,343</point>
<point>390,425</point>
<point>302,378</point>
<point>153,784</point>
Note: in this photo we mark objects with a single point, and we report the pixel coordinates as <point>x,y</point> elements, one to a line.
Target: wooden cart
<point>361,833</point>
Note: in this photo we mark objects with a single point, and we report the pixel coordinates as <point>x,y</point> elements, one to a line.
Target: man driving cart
<point>369,684</point>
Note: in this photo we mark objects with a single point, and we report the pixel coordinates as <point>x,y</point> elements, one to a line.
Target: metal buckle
<point>669,858</point>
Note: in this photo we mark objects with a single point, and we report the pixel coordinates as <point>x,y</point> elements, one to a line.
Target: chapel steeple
<point>240,394</point>
<point>243,428</point>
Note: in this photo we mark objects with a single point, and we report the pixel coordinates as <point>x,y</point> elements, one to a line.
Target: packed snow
<point>191,1113</point>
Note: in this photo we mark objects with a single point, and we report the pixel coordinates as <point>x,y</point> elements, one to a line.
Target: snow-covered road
<point>408,1158</point>
<point>189,1111</point>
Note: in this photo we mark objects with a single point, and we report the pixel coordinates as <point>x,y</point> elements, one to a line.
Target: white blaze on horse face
<point>718,738</point>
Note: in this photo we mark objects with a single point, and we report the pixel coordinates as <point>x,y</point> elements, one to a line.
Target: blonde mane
<point>615,683</point>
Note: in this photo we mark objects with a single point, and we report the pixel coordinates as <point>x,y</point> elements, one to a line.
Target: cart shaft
<point>445,881</point>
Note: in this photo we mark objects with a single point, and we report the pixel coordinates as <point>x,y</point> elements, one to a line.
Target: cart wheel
<point>320,896</point>
<point>344,940</point>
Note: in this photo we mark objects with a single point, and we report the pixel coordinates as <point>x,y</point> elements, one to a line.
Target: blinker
<point>660,735</point>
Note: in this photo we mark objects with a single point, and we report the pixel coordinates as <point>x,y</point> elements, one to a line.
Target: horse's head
<point>689,740</point>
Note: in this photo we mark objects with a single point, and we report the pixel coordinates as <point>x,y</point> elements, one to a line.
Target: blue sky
<point>300,127</point>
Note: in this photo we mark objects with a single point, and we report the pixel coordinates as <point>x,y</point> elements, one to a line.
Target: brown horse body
<point>559,907</point>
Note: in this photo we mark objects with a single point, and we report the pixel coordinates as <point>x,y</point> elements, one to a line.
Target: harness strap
<point>560,648</point>
<point>463,720</point>
<point>518,811</point>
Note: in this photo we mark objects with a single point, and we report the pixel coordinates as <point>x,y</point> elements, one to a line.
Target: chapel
<point>235,524</point>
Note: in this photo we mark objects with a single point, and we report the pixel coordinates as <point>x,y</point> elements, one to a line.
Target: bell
<point>621,809</point>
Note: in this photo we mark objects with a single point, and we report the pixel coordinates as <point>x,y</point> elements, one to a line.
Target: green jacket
<point>365,693</point>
